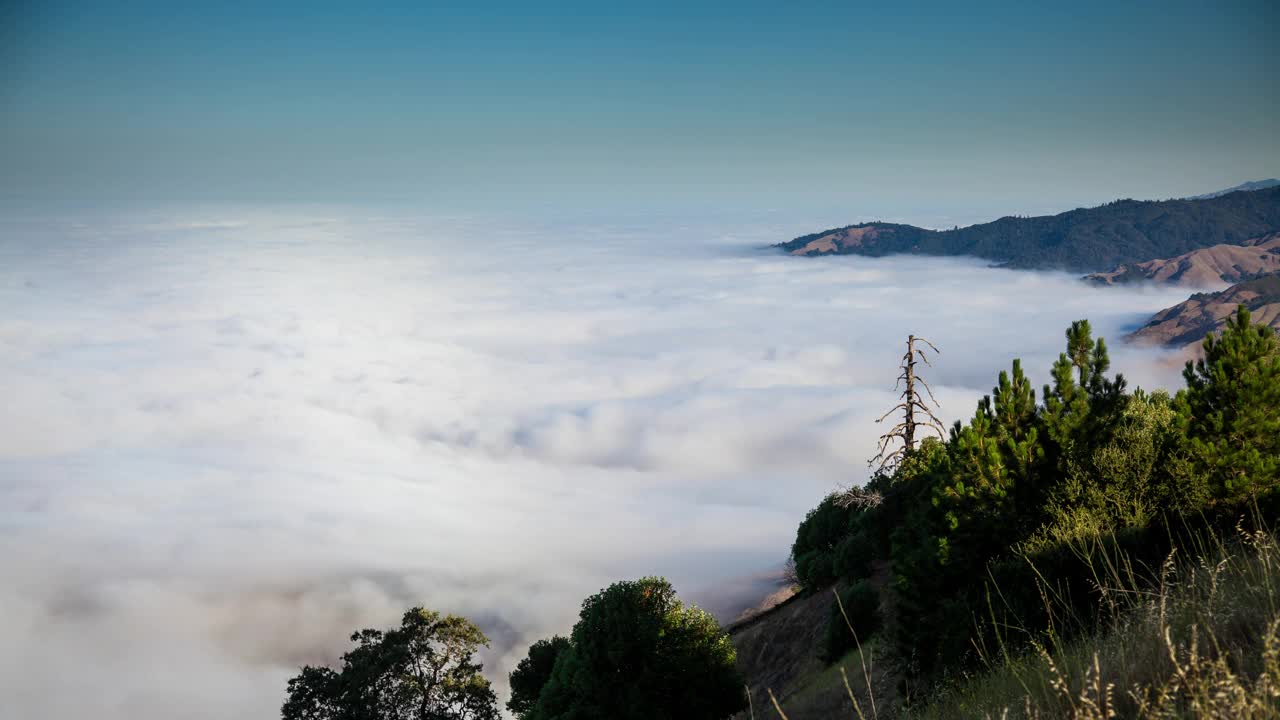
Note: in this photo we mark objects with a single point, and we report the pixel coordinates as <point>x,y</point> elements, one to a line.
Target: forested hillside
<point>1041,535</point>
<point>1084,240</point>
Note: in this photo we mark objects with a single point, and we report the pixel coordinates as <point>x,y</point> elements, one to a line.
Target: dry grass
<point>1198,637</point>
<point>866,662</point>
<point>1199,640</point>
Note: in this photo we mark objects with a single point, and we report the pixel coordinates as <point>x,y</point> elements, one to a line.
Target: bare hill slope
<point>1207,267</point>
<point>1186,323</point>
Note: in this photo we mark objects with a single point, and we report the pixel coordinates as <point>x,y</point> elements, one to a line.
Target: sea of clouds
<point>228,438</point>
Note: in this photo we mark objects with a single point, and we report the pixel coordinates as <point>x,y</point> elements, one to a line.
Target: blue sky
<point>891,108</point>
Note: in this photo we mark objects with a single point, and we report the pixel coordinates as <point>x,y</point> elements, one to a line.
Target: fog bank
<point>231,437</point>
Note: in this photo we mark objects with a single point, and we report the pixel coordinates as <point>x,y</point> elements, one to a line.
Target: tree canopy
<point>1231,403</point>
<point>638,653</point>
<point>423,670</point>
<point>532,674</point>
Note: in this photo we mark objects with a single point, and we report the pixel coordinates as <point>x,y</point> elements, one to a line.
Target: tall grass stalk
<point>866,663</point>
<point>862,660</point>
<point>1198,637</point>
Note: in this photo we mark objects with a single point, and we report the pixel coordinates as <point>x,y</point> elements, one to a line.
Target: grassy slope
<point>779,651</point>
<point>1198,638</point>
<point>1202,642</point>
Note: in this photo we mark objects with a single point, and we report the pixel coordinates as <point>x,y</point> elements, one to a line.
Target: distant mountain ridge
<point>1202,268</point>
<point>1083,240</point>
<point>1186,324</point>
<point>1250,186</point>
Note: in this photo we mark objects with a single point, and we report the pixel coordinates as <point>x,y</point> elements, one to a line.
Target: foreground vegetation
<point>1200,639</point>
<point>1038,534</point>
<point>425,669</point>
<point>1098,554</point>
<point>636,653</point>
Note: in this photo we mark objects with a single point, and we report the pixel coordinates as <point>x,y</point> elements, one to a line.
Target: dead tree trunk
<point>916,415</point>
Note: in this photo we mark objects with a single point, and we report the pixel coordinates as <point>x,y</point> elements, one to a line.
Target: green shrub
<point>861,603</point>
<point>638,653</point>
<point>817,537</point>
<point>532,674</point>
<point>853,557</point>
<point>816,569</point>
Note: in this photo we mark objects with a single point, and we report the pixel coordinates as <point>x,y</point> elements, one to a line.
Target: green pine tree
<point>1232,406</point>
<point>989,501</point>
<point>1082,402</point>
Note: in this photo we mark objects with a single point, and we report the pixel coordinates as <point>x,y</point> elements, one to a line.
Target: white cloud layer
<point>230,438</point>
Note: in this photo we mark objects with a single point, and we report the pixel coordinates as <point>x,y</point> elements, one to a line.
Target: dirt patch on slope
<point>851,237</point>
<point>779,650</point>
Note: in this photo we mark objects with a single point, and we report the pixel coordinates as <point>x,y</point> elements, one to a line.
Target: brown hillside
<point>779,650</point>
<point>843,240</point>
<point>1207,267</point>
<point>1186,324</point>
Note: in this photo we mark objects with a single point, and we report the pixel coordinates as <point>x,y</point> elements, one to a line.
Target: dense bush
<point>817,538</point>
<point>854,555</point>
<point>637,653</point>
<point>532,674</point>
<point>859,620</point>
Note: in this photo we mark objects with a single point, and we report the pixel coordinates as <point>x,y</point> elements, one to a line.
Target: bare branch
<point>899,406</point>
<point>928,390</point>
<point>888,462</point>
<point>916,413</point>
<point>859,498</point>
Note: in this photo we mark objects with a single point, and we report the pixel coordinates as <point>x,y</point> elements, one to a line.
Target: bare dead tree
<point>916,415</point>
